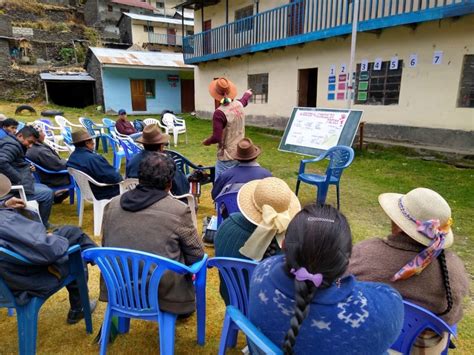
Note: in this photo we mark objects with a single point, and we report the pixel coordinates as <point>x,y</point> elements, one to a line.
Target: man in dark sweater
<point>123,125</point>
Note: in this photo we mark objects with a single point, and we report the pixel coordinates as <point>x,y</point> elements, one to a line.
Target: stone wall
<point>91,15</point>
<point>94,70</point>
<point>5,26</point>
<point>4,55</point>
<point>19,86</point>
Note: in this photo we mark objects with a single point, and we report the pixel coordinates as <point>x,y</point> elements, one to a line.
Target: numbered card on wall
<point>343,68</point>
<point>378,64</point>
<point>364,65</point>
<point>438,57</point>
<point>332,70</point>
<point>413,60</point>
<point>393,63</point>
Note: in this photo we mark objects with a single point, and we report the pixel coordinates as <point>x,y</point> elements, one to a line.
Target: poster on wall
<point>332,82</point>
<point>311,131</point>
<point>437,57</point>
<point>378,64</point>
<point>413,60</point>
<point>394,63</point>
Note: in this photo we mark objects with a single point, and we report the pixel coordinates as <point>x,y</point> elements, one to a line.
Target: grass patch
<point>373,172</point>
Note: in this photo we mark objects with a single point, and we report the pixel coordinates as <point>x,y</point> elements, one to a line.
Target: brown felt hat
<point>5,185</point>
<point>246,150</point>
<point>222,87</point>
<point>80,135</point>
<point>152,135</point>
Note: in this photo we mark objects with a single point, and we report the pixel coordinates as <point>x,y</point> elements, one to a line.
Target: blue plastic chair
<point>225,205</point>
<point>108,124</point>
<point>95,130</point>
<point>340,157</point>
<point>130,148</point>
<point>27,315</point>
<point>118,151</point>
<point>132,278</point>
<point>138,124</point>
<point>71,186</point>
<point>417,319</point>
<point>236,319</point>
<point>185,165</point>
<point>236,274</point>
<point>67,135</point>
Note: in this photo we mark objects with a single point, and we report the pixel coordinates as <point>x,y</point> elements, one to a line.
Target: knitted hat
<point>222,87</point>
<point>421,205</point>
<point>5,185</point>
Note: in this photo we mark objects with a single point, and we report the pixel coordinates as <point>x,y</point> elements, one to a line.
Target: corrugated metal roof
<point>110,56</point>
<point>66,77</point>
<point>135,3</point>
<point>158,19</point>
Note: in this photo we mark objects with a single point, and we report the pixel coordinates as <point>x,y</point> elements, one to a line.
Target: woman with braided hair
<point>413,259</point>
<point>302,302</point>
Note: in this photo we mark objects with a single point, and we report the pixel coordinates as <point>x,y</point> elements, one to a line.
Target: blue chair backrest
<point>114,143</point>
<point>129,148</point>
<point>180,161</point>
<point>417,319</point>
<point>340,157</point>
<point>236,274</point>
<point>6,296</point>
<point>20,125</point>
<point>226,202</point>
<point>67,135</point>
<point>132,277</point>
<point>89,125</point>
<point>138,124</point>
<point>109,124</point>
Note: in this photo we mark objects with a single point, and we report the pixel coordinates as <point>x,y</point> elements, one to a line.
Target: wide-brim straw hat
<point>80,135</point>
<point>152,135</point>
<point>422,205</point>
<point>222,87</point>
<point>270,191</point>
<point>5,185</point>
<point>246,150</point>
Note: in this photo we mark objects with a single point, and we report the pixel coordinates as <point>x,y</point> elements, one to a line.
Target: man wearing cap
<point>123,125</point>
<point>95,165</point>
<point>246,170</point>
<point>154,141</point>
<point>413,259</point>
<point>18,170</point>
<point>47,252</point>
<point>228,122</point>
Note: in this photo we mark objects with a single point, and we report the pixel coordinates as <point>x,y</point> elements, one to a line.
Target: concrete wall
<point>428,96</point>
<point>117,94</point>
<point>139,35</point>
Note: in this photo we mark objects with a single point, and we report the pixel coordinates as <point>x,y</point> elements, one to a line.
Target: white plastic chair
<point>82,181</point>
<point>58,147</point>
<point>63,122</point>
<point>128,184</point>
<point>176,126</point>
<point>31,204</point>
<point>151,121</point>
<point>49,131</point>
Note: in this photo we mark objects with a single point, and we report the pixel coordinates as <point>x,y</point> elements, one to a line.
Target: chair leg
<point>105,334</point>
<point>200,286</point>
<point>123,325</point>
<point>11,312</point>
<point>98,215</point>
<point>297,187</point>
<point>226,333</point>
<point>337,194</point>
<point>166,326</point>
<point>71,196</point>
<point>27,318</point>
<point>83,290</point>
<point>80,202</point>
<point>321,194</point>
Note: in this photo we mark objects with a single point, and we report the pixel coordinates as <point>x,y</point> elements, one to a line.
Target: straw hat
<point>152,135</point>
<point>269,191</point>
<point>5,185</point>
<point>246,150</point>
<point>222,87</point>
<point>80,135</point>
<point>420,204</point>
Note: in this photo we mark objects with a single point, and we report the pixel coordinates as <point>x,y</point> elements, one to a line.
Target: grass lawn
<point>373,172</point>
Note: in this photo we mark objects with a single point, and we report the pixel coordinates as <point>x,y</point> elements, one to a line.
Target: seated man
<point>18,170</point>
<point>46,157</point>
<point>123,126</point>
<point>149,219</point>
<point>246,170</point>
<point>8,126</point>
<point>154,141</point>
<point>95,165</point>
<point>47,251</point>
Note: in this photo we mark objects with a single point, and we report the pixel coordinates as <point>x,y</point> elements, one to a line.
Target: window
<point>160,5</point>
<point>241,14</point>
<point>189,32</point>
<point>378,87</point>
<point>259,85</point>
<point>150,88</point>
<point>466,86</point>
<point>147,28</point>
<point>110,8</point>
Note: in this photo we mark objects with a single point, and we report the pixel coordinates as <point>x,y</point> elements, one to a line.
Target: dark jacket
<point>47,158</point>
<point>180,185</point>
<point>125,127</point>
<point>98,168</point>
<point>48,253</point>
<point>14,165</point>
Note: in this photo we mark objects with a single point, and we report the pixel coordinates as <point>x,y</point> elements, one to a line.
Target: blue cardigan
<point>356,318</point>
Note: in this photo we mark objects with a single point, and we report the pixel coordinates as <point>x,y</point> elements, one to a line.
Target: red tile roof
<point>135,3</point>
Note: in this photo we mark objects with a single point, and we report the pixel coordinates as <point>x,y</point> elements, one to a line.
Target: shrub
<point>67,54</point>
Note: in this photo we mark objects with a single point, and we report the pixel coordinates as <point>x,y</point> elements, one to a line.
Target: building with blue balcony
<point>413,74</point>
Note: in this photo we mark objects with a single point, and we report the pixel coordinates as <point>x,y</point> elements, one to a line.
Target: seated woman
<point>421,231</point>
<point>257,231</point>
<point>302,303</point>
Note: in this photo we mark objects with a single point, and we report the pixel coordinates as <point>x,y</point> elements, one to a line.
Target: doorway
<point>307,87</point>
<point>137,88</point>
<point>187,95</point>
<point>207,37</point>
<point>171,36</point>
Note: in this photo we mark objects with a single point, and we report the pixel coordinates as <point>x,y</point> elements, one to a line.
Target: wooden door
<point>187,95</point>
<point>307,87</point>
<point>137,88</point>
<point>207,37</point>
<point>171,36</point>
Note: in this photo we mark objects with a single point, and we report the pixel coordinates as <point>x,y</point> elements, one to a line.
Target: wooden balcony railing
<point>171,40</point>
<point>309,20</point>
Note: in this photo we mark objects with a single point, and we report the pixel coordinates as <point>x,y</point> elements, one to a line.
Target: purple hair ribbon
<point>304,275</point>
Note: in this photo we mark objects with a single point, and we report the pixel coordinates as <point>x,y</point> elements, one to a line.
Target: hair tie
<point>304,275</point>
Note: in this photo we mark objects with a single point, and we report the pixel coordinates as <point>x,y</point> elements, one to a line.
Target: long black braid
<point>304,293</point>
<point>272,249</point>
<point>447,286</point>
